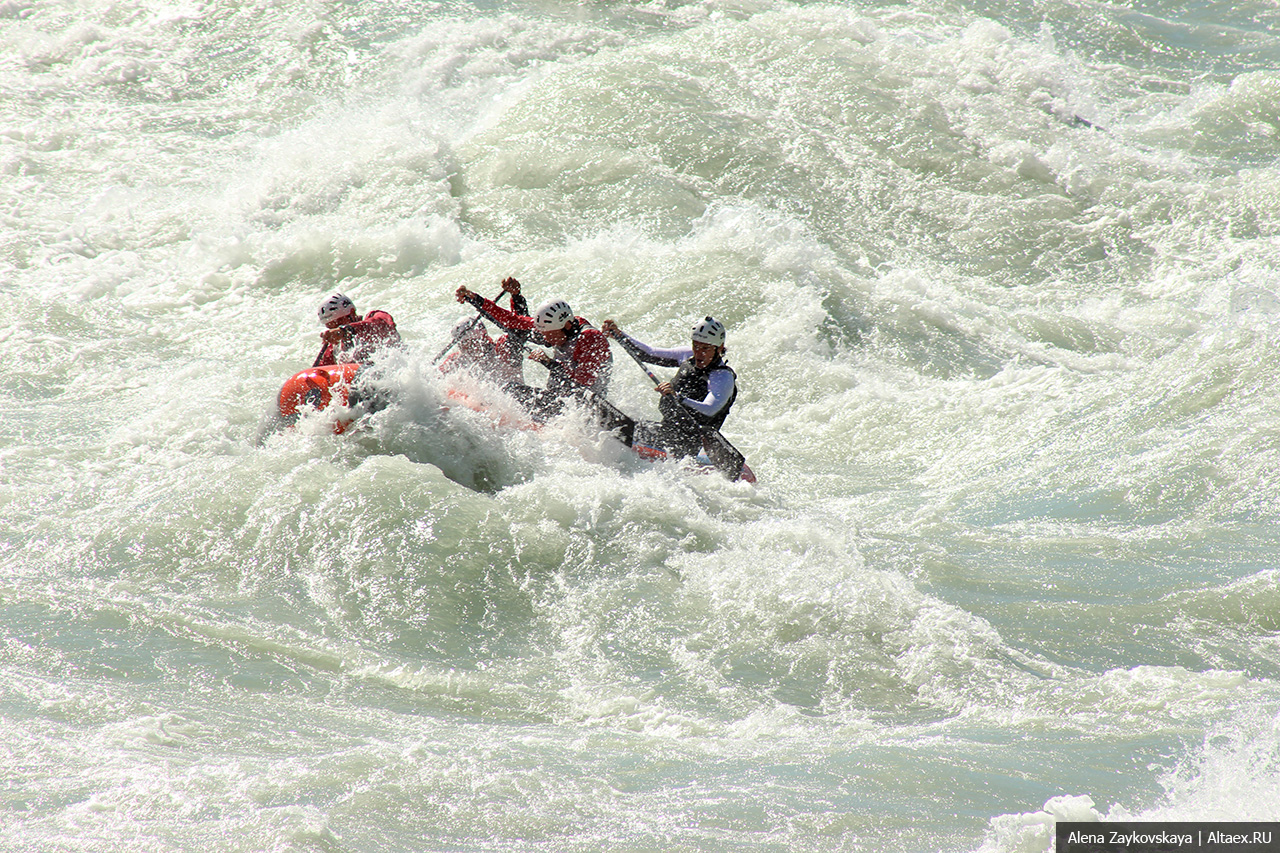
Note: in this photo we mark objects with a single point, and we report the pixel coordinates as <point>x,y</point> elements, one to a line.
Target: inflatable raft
<point>317,388</point>
<point>717,454</point>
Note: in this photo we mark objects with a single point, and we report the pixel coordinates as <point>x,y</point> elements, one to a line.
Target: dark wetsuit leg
<point>679,432</point>
<point>541,404</point>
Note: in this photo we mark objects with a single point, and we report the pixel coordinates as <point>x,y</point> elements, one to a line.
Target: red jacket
<point>510,359</point>
<point>583,360</point>
<point>474,350</point>
<point>360,338</point>
<point>500,360</point>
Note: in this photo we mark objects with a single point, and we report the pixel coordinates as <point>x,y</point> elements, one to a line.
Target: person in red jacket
<point>502,360</point>
<point>581,360</point>
<point>349,338</point>
<point>497,360</point>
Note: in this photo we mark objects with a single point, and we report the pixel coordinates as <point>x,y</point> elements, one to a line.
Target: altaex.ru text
<point>1255,837</point>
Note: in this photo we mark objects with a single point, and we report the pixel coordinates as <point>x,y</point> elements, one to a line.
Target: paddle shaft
<point>461,332</point>
<point>647,372</point>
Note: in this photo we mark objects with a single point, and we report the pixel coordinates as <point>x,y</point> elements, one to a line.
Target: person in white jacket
<point>701,393</point>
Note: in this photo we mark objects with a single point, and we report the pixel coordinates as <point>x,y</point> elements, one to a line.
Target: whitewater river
<point>1001,285</point>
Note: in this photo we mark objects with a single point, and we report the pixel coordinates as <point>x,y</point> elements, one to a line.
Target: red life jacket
<point>361,338</point>
<point>584,358</point>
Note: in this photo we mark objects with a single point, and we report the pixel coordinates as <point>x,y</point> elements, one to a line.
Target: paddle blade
<point>612,419</point>
<point>723,455</point>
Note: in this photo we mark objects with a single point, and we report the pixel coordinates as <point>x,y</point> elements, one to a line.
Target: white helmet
<point>709,331</point>
<point>467,327</point>
<point>335,307</point>
<point>552,316</point>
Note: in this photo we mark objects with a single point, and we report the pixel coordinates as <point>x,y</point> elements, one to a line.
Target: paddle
<point>610,417</point>
<point>723,455</point>
<point>462,333</point>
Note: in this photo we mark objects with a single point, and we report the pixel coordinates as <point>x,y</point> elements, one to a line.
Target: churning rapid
<point>1000,283</point>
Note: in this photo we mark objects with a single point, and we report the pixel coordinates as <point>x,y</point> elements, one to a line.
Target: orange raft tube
<point>317,387</point>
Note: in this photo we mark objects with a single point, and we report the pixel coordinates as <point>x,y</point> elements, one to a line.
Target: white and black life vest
<point>691,381</point>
